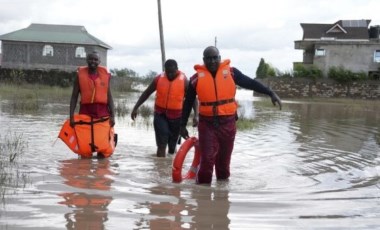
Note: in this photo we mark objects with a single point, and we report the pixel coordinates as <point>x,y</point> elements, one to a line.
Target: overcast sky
<point>244,30</point>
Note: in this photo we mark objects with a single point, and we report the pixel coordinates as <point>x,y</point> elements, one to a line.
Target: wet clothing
<point>168,110</point>
<point>217,133</point>
<point>96,133</point>
<point>94,92</point>
<point>169,113</point>
<point>166,131</point>
<point>95,110</point>
<point>215,145</point>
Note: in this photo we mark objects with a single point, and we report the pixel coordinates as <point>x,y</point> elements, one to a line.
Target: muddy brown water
<point>313,165</point>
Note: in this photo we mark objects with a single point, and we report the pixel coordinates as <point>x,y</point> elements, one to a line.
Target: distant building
<point>47,47</point>
<point>346,43</point>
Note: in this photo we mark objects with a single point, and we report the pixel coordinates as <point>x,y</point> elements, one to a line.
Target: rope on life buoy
<point>180,157</point>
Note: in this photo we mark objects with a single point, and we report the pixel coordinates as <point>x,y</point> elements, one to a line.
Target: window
<point>48,50</point>
<point>80,52</point>
<point>320,52</point>
<point>376,56</point>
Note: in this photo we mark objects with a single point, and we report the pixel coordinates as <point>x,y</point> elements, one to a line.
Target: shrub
<point>342,75</point>
<point>302,71</point>
<point>265,70</point>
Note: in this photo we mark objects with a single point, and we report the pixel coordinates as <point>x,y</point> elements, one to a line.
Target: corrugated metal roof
<point>48,33</point>
<point>355,23</point>
<point>353,29</point>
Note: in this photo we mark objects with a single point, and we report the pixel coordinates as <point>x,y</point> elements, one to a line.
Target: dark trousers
<point>166,131</point>
<point>215,144</point>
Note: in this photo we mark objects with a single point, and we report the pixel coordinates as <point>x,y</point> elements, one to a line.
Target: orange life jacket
<point>216,95</point>
<point>93,91</point>
<point>170,94</point>
<point>88,135</point>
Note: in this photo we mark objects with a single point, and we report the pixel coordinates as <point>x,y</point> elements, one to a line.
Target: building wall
<point>355,56</point>
<point>24,55</point>
<point>322,88</point>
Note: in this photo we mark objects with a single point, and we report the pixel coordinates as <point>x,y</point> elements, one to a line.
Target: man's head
<point>171,69</point>
<point>211,59</point>
<point>93,60</point>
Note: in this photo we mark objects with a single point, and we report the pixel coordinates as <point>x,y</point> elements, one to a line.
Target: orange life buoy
<point>180,157</point>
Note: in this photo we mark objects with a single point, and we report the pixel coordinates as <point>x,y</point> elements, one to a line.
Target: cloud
<point>244,30</point>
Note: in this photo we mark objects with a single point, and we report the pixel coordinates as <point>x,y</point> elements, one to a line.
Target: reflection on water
<point>188,206</point>
<point>89,211</point>
<point>87,173</point>
<point>313,165</point>
<point>215,218</point>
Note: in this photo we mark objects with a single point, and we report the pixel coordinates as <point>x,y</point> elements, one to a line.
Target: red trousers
<point>215,144</point>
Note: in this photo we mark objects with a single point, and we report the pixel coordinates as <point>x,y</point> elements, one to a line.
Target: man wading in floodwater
<point>171,86</point>
<point>215,84</point>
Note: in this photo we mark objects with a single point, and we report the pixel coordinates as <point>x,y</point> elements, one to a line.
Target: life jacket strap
<point>80,122</point>
<point>216,103</point>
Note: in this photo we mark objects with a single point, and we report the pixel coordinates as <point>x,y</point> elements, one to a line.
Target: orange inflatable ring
<point>180,157</point>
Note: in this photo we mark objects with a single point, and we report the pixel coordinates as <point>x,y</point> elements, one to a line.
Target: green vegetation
<point>121,108</point>
<point>311,72</point>
<point>124,73</point>
<point>245,123</point>
<point>265,70</point>
<point>124,80</point>
<point>342,75</point>
<point>28,97</point>
<point>12,148</point>
<point>51,77</point>
<point>28,91</point>
<point>145,111</point>
<point>337,73</point>
<point>25,91</point>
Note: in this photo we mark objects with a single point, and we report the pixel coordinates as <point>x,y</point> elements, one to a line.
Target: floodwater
<point>313,165</point>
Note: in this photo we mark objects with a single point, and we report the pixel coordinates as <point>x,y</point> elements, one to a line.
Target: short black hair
<point>170,63</point>
<point>209,49</point>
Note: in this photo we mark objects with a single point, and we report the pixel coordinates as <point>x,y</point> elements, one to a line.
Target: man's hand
<point>72,122</point>
<point>134,114</point>
<point>275,99</point>
<point>183,132</point>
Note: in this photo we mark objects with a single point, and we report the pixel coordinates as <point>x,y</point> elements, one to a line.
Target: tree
<point>261,69</point>
<point>125,72</point>
<point>265,70</point>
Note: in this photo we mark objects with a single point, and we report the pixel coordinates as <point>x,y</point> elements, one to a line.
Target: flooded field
<point>312,165</point>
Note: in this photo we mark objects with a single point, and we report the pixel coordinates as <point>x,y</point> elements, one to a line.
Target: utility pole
<point>162,43</point>
<point>215,41</point>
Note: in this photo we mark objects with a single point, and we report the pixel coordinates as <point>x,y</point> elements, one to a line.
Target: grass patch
<point>31,97</point>
<point>12,148</point>
<point>121,108</point>
<point>145,111</point>
<point>245,123</point>
<point>29,91</point>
